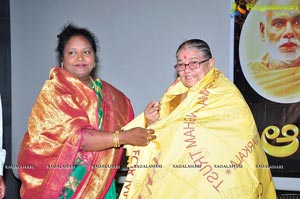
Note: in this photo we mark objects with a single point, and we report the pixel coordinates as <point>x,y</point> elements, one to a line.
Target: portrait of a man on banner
<point>267,71</point>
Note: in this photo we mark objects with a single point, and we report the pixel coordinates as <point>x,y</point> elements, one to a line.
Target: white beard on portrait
<point>276,51</point>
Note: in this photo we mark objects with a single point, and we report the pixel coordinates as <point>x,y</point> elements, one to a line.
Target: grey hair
<point>197,44</point>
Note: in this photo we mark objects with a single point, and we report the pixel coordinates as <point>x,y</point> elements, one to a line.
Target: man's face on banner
<point>281,32</point>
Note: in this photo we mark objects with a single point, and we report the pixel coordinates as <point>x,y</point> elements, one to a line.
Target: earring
<point>62,65</point>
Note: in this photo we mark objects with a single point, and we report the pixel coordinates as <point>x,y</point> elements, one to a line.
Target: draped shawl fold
<point>63,108</point>
<point>207,147</point>
<point>282,85</point>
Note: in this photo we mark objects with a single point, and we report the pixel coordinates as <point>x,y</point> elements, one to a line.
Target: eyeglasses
<point>193,65</point>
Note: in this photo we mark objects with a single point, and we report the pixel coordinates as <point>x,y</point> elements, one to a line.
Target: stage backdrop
<point>273,95</point>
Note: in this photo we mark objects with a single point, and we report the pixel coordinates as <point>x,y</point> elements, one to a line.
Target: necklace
<point>93,83</point>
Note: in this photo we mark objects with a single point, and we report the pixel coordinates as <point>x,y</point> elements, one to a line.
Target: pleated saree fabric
<point>64,107</point>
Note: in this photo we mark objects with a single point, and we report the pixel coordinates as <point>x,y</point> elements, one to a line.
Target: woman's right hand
<point>151,112</point>
<point>137,136</point>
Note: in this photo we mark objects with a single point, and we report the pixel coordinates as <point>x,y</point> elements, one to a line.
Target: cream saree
<point>281,85</point>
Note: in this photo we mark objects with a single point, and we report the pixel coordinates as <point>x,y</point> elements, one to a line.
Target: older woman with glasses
<point>207,143</point>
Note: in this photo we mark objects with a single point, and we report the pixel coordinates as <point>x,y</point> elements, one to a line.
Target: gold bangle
<point>116,141</point>
<point>117,138</point>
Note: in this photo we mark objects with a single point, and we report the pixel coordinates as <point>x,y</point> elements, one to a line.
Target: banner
<point>267,72</point>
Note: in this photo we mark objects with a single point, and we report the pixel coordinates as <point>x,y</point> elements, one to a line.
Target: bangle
<point>116,141</point>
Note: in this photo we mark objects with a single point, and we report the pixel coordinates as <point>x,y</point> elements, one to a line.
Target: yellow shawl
<point>207,147</point>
